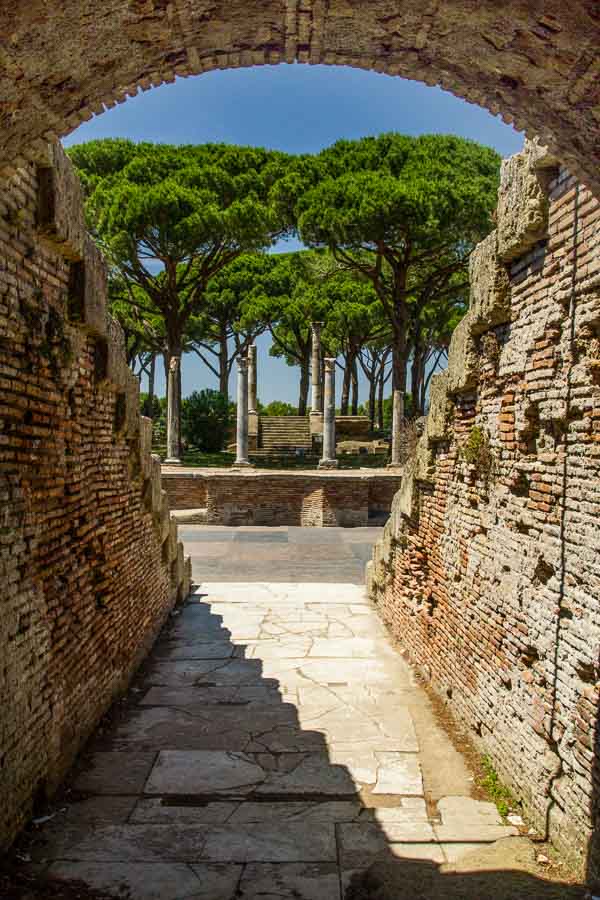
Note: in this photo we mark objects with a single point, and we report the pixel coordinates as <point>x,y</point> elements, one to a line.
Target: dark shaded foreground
<point>506,870</point>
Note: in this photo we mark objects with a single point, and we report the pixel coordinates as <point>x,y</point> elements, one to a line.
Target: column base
<point>328,464</point>
<point>242,464</point>
<point>395,465</point>
<point>172,461</point>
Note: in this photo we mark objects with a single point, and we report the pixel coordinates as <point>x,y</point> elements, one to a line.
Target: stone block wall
<point>89,559</point>
<point>281,498</point>
<point>488,572</point>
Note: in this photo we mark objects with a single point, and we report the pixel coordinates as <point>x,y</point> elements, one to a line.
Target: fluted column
<point>241,455</point>
<point>328,460</point>
<point>317,394</point>
<point>173,412</point>
<point>252,378</point>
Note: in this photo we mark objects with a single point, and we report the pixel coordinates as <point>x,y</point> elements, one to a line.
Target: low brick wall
<point>90,564</point>
<point>263,497</point>
<point>488,572</point>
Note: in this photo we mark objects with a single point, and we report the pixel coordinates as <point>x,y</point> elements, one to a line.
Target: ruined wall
<point>89,560</point>
<point>489,572</point>
<point>281,498</point>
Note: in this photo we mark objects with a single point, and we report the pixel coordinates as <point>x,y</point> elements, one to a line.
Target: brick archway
<point>535,62</point>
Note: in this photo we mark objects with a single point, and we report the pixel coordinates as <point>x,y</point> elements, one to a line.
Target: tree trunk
<point>372,398</point>
<point>399,362</point>
<point>173,370</point>
<point>417,374</point>
<point>151,377</point>
<point>149,404</point>
<point>423,386</point>
<point>345,399</point>
<point>304,383</point>
<point>354,379</point>
<point>380,387</point>
<point>224,365</point>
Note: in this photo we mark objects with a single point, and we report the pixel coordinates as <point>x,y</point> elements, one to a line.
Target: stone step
<point>284,432</point>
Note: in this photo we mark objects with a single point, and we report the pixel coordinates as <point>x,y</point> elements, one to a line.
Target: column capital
<point>242,363</point>
<point>329,363</point>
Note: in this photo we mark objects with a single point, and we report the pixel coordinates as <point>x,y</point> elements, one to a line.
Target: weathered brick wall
<point>488,571</point>
<point>89,560</point>
<point>281,498</point>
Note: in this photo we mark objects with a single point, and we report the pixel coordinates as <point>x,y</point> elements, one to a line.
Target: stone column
<point>252,378</point>
<point>317,394</point>
<point>328,460</point>
<point>173,413</point>
<point>241,456</point>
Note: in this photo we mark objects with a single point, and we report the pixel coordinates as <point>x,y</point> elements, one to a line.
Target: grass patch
<point>494,788</point>
<point>223,460</point>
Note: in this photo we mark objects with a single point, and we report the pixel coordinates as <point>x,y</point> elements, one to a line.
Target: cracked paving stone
<point>115,773</point>
<point>159,726</point>
<point>161,810</point>
<point>214,672</point>
<point>200,696</point>
<point>361,843</point>
<point>177,649</point>
<point>155,881</point>
<point>398,773</point>
<point>314,774</point>
<point>291,810</point>
<point>282,842</point>
<point>290,881</point>
<point>99,810</point>
<point>128,843</point>
<point>204,772</point>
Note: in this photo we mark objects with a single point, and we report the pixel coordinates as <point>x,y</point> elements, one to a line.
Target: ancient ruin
<point>91,564</point>
<point>488,569</point>
<point>487,573</point>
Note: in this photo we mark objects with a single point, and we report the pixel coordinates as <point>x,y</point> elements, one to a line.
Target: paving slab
<point>305,811</point>
<point>204,772</point>
<point>115,773</point>
<point>155,881</point>
<point>281,842</point>
<point>200,696</point>
<point>362,843</point>
<point>267,749</point>
<point>290,881</point>
<point>175,648</point>
<point>261,537</point>
<point>314,774</point>
<point>162,810</point>
<point>96,810</point>
<point>172,842</point>
<point>398,773</point>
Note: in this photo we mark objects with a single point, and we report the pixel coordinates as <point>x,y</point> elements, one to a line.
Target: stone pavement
<point>278,554</point>
<point>267,749</point>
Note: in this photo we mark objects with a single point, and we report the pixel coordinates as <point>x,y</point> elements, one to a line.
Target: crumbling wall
<point>489,571</point>
<point>263,497</point>
<point>89,559</point>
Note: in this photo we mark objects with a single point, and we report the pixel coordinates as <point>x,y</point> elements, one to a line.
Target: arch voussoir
<point>537,68</point>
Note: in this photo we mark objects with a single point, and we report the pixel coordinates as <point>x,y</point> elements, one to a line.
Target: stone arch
<point>535,62</point>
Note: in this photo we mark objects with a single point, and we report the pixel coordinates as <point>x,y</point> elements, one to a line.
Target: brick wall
<point>281,498</point>
<point>488,572</point>
<point>89,560</point>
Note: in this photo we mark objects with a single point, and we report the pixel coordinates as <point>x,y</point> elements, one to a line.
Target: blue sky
<point>297,109</point>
